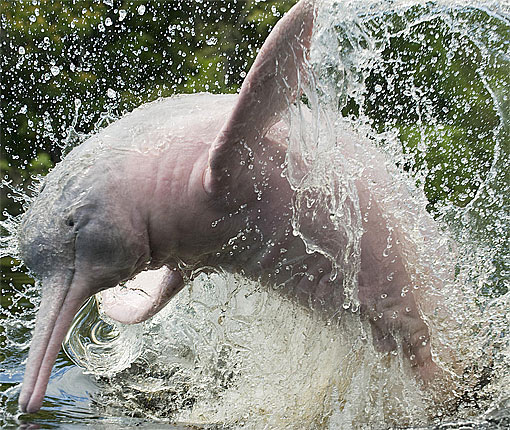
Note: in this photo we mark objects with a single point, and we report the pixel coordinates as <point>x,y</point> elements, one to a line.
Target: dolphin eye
<point>70,221</point>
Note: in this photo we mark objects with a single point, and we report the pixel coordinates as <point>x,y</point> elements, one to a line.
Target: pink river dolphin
<point>168,187</point>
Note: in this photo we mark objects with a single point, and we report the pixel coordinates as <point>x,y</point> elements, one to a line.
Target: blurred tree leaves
<point>65,63</point>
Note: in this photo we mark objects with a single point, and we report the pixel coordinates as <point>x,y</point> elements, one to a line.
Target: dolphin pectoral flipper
<point>141,297</point>
<point>270,86</point>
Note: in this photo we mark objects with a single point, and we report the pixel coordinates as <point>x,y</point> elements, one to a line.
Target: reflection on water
<point>429,86</point>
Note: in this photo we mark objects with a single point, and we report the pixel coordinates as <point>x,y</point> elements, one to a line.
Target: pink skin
<point>167,186</point>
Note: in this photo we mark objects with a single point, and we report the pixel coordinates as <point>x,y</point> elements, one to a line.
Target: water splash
<point>91,339</point>
<point>428,86</point>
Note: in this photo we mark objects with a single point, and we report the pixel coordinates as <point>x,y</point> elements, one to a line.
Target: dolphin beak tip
<point>29,404</point>
<point>22,401</point>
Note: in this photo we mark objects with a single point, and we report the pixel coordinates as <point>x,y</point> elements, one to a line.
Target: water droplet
<point>141,9</point>
<point>108,22</point>
<point>32,18</point>
<point>21,50</point>
<point>111,93</point>
<point>23,109</point>
<point>122,14</point>
<point>211,41</point>
<point>55,70</point>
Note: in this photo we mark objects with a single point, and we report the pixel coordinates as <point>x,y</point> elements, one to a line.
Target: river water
<point>427,85</point>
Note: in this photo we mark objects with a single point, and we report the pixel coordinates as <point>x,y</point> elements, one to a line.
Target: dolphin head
<point>81,234</point>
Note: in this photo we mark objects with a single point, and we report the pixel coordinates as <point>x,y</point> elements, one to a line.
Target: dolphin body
<point>170,184</point>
